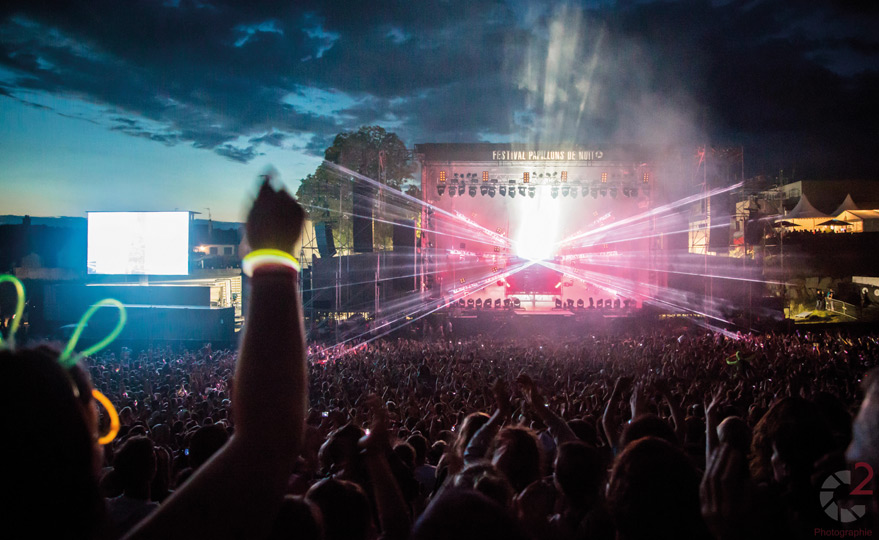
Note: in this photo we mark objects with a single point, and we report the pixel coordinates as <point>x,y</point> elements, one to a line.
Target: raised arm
<point>481,441</point>
<point>556,424</point>
<point>237,493</point>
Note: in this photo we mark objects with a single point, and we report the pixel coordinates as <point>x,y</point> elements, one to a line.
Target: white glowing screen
<point>536,237</point>
<point>149,243</point>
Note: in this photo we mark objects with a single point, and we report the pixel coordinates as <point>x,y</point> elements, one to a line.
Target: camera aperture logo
<point>830,496</point>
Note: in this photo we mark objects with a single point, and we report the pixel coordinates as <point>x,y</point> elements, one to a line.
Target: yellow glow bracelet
<point>261,257</point>
<point>111,412</point>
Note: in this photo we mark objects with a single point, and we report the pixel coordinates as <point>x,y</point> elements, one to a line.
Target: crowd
<point>658,435</point>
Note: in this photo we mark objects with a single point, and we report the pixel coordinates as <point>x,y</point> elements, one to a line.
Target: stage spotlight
<point>532,191</point>
<point>472,191</point>
<point>503,191</point>
<point>497,303</point>
<point>580,303</point>
<point>558,303</point>
<point>462,303</point>
<point>512,192</point>
<point>483,189</point>
<point>491,191</point>
<point>574,192</point>
<point>570,303</point>
<point>517,303</point>
<point>554,192</point>
<point>566,191</point>
<point>461,189</point>
<point>487,303</point>
<point>440,189</point>
<point>603,192</point>
<point>616,304</point>
<point>478,303</point>
<point>584,191</point>
<point>470,303</point>
<point>594,193</point>
<point>453,190</point>
<point>522,190</point>
<point>599,304</point>
<point>591,303</point>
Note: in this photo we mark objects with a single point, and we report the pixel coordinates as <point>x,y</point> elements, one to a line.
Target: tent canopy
<point>805,210</point>
<point>847,204</point>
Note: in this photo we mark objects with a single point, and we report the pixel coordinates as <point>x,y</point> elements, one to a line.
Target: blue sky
<point>148,105</point>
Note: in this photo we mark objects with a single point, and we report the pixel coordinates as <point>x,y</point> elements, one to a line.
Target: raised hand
<point>275,220</point>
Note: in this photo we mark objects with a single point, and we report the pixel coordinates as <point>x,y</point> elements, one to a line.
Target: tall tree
<point>361,151</point>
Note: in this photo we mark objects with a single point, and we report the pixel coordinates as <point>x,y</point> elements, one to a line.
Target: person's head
<point>419,444</point>
<point>653,492</point>
<point>50,412</point>
<point>135,464</point>
<point>579,472</point>
<point>865,430</point>
<point>205,442</point>
<point>517,455</point>
<point>465,514</point>
<point>648,425</point>
<point>344,507</point>
<point>297,518</point>
<point>486,479</point>
<point>788,440</point>
<point>735,432</point>
<point>340,448</point>
<point>406,454</point>
<point>468,429</point>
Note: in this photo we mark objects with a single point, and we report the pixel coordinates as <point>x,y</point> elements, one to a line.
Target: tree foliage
<point>328,195</point>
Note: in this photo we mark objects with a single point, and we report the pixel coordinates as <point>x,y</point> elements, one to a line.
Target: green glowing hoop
<point>68,357</point>
<point>19,310</point>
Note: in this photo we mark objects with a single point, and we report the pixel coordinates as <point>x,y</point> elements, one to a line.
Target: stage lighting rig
<point>461,189</point>
<point>566,191</point>
<point>502,190</point>
<point>472,191</point>
<point>554,192</point>
<point>483,189</point>
<point>584,191</point>
<point>522,190</point>
<point>532,191</point>
<point>594,193</point>
<point>603,191</point>
<point>574,192</point>
<point>491,191</point>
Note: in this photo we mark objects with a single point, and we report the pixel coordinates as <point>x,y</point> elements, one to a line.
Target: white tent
<point>847,204</point>
<point>805,215</point>
<point>861,220</point>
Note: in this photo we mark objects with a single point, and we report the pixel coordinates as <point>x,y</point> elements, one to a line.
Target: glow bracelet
<point>111,412</point>
<point>264,257</point>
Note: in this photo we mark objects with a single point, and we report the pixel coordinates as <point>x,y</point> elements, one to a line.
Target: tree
<point>359,151</point>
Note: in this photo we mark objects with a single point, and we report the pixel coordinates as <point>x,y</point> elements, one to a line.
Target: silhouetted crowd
<point>582,439</point>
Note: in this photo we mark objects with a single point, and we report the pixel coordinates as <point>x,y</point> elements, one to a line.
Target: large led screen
<point>150,243</point>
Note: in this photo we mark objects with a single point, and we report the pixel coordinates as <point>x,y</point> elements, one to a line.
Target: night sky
<point>152,105</point>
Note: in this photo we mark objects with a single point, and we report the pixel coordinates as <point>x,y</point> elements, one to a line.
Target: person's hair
<point>486,479</point>
<point>465,514</point>
<point>45,409</point>
<point>298,518</point>
<point>654,492</point>
<point>579,471</point>
<point>786,424</point>
<point>469,427</point>
<point>344,507</point>
<point>135,462</point>
<point>735,432</point>
<point>419,444</point>
<point>406,454</point>
<point>648,425</point>
<point>340,447</point>
<point>585,431</point>
<point>517,455</point>
<point>205,442</point>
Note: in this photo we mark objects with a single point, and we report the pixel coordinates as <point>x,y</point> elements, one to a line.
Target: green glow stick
<point>19,309</point>
<point>68,358</point>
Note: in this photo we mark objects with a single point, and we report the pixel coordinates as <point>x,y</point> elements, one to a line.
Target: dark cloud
<point>791,81</point>
<point>241,155</point>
